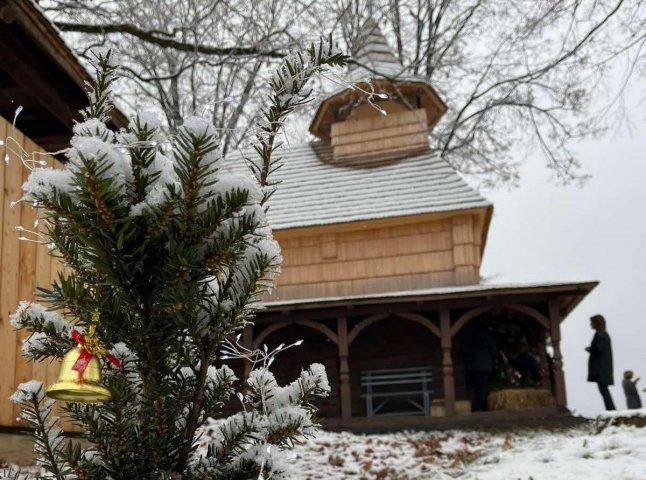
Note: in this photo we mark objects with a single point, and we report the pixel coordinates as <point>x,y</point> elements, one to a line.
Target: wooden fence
<point>24,266</point>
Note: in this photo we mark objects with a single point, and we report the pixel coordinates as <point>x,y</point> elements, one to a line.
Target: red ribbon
<point>94,349</point>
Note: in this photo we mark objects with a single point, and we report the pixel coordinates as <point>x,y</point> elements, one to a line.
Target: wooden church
<point>382,243</point>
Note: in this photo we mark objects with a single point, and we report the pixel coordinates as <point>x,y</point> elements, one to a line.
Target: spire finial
<point>372,56</point>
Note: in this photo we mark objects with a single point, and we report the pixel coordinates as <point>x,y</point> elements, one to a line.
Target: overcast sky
<point>543,232</point>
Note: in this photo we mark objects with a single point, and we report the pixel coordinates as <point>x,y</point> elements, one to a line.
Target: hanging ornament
<point>79,379</point>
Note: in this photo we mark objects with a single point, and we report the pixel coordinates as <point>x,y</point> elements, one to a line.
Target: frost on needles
<point>175,254</point>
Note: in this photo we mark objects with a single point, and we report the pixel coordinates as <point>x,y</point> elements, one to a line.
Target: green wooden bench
<point>412,385</point>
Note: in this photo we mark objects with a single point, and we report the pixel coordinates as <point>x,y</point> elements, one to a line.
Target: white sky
<point>545,232</point>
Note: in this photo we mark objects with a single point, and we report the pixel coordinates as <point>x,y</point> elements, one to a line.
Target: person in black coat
<point>600,361</point>
<point>480,363</point>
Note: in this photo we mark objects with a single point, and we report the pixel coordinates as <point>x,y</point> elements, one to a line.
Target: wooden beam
<point>447,362</point>
<point>9,280</point>
<point>344,369</point>
<point>555,330</point>
<point>52,143</point>
<point>28,70</point>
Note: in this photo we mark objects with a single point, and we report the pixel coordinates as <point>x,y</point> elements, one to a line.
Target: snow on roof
<point>440,291</point>
<point>372,56</point>
<point>314,191</point>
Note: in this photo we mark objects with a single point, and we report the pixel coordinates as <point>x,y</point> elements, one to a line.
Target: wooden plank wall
<point>23,267</point>
<point>378,137</point>
<point>432,253</point>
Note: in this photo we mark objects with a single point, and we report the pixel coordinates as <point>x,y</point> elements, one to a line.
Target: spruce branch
<point>48,436</point>
<point>98,91</point>
<point>288,92</point>
<point>194,413</point>
<point>13,473</point>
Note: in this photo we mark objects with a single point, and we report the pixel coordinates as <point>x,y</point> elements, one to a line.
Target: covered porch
<point>429,330</point>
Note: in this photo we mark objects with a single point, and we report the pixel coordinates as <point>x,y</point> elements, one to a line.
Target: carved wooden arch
<point>306,323</point>
<point>471,314</point>
<point>413,317</point>
<point>422,320</point>
<point>366,322</point>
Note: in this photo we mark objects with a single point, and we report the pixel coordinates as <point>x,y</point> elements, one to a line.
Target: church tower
<point>385,115</point>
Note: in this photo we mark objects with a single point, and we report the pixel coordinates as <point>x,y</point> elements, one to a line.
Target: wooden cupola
<point>386,114</point>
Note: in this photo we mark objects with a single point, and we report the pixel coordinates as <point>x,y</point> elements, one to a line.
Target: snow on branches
<point>50,332</point>
<point>37,412</point>
<point>173,253</point>
<point>288,92</point>
<point>274,418</point>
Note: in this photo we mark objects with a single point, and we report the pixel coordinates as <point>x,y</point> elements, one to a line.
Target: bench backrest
<point>396,376</point>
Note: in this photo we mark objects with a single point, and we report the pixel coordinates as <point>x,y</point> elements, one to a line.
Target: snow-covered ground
<point>586,453</point>
<point>616,453</point>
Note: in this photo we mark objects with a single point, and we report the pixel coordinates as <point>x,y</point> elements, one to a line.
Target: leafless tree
<point>517,75</point>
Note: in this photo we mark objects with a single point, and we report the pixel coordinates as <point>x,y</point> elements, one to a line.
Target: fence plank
<point>9,280</point>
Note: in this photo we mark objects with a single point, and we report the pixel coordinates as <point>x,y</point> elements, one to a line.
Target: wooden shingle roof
<point>316,191</point>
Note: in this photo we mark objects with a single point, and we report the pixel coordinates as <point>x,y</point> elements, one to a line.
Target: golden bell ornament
<point>72,386</point>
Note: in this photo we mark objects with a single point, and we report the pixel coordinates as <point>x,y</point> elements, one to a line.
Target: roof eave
<point>318,131</point>
<point>45,34</point>
<point>292,231</point>
<point>577,289</point>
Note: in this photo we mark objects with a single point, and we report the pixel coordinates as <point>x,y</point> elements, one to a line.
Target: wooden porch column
<point>447,362</point>
<point>247,342</point>
<point>344,369</point>
<point>555,330</point>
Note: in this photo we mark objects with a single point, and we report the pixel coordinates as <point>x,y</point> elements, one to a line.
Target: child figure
<point>630,389</point>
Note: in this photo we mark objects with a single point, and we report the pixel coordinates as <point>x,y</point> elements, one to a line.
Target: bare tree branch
<point>165,40</point>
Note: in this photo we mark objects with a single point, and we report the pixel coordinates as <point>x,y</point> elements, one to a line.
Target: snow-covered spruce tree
<point>172,254</point>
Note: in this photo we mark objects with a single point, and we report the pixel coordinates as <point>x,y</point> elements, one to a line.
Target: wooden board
<point>378,122</point>
<point>430,253</point>
<point>376,138</point>
<point>23,266</point>
<point>27,279</point>
<point>9,279</point>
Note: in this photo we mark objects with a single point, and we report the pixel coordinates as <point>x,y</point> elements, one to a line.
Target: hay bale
<point>520,398</point>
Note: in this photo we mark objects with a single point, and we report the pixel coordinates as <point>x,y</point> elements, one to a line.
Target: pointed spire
<point>373,57</point>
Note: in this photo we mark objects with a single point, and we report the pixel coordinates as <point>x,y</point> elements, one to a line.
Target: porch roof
<point>569,294</point>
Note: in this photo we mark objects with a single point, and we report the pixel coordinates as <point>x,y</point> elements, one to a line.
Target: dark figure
<point>525,363</point>
<point>630,389</point>
<point>480,363</point>
<point>600,361</point>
